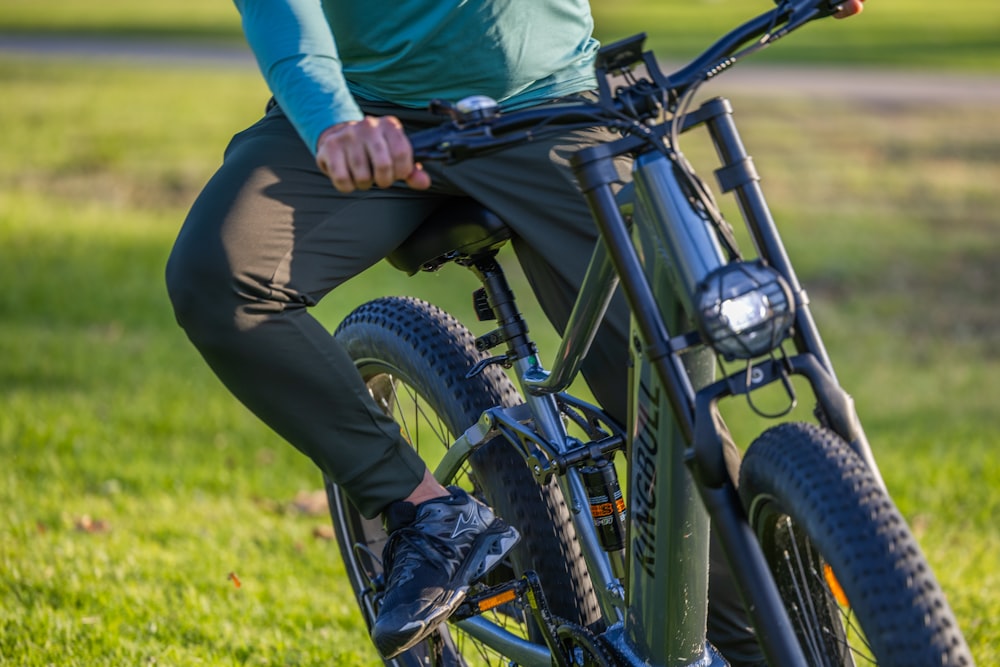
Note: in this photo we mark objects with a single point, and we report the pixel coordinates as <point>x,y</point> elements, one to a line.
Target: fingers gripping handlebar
<point>822,8</point>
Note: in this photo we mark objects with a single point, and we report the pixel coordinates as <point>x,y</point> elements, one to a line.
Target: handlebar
<point>455,140</point>
<point>630,106</point>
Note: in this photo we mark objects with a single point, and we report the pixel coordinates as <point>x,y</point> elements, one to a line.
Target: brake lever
<point>800,12</point>
<point>465,115</point>
<point>452,142</point>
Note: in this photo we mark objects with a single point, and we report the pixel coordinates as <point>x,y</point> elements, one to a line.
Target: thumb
<point>418,178</point>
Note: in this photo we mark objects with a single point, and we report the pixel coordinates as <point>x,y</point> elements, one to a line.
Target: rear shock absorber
<point>607,509</point>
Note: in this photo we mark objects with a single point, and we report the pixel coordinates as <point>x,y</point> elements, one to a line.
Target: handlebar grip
<point>848,8</point>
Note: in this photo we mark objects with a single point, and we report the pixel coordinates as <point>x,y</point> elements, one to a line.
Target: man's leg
<point>267,238</point>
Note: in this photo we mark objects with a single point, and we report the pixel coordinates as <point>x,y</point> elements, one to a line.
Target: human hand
<point>849,8</point>
<point>374,151</point>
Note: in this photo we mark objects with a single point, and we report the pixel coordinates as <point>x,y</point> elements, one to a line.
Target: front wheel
<point>414,358</point>
<point>853,580</point>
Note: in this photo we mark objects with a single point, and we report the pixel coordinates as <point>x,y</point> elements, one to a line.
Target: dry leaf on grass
<point>88,525</point>
<point>312,503</point>
<point>323,532</point>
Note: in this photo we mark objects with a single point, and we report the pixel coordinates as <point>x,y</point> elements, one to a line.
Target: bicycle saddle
<point>457,229</point>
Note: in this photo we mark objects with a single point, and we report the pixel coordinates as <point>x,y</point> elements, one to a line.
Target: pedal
<point>489,598</point>
<point>527,589</point>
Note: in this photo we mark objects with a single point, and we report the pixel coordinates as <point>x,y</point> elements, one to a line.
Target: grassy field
<point>136,494</point>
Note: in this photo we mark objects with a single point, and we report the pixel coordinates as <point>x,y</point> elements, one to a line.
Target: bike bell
<point>476,109</point>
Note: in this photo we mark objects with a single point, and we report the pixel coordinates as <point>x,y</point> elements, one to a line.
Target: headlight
<point>744,309</point>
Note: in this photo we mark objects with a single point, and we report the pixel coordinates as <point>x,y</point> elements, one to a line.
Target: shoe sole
<point>487,551</point>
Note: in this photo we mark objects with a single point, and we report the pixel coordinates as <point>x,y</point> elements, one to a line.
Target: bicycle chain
<point>584,648</point>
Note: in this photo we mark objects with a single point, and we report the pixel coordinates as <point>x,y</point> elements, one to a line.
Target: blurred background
<point>147,518</point>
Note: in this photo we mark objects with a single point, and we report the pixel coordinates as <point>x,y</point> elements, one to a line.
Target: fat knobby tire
<point>811,475</point>
<point>432,352</point>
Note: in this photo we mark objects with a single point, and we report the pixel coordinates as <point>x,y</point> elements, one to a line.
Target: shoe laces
<point>409,547</point>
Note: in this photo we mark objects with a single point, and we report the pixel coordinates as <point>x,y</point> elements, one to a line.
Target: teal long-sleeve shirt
<point>319,56</point>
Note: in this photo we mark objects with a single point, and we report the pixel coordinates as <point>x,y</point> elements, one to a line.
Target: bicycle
<point>826,564</point>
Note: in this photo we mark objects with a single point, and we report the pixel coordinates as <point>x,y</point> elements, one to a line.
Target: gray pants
<point>269,237</point>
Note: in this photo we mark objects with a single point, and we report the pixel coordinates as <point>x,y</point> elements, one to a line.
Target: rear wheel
<point>854,582</point>
<point>414,358</point>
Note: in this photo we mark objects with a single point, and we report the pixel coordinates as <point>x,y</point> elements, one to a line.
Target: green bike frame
<point>658,245</point>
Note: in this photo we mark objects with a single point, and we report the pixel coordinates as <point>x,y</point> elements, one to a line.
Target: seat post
<point>512,327</point>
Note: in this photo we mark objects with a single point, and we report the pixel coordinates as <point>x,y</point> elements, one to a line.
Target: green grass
<point>178,19</point>
<point>900,33</point>
<point>109,414</point>
<point>109,420</point>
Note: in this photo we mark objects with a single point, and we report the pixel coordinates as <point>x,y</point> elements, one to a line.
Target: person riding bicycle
<point>268,237</point>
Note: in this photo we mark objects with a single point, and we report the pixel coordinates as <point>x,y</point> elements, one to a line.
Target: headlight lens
<point>745,309</point>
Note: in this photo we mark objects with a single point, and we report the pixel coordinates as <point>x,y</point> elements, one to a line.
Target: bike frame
<point>654,598</point>
<point>659,246</point>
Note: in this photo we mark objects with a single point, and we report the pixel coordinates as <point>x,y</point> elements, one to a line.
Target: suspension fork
<point>739,176</point>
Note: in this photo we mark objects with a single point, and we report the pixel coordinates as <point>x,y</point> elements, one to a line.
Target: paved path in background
<point>124,50</point>
<point>746,78</point>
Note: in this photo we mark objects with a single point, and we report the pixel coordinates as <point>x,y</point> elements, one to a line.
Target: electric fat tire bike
<point>828,570</point>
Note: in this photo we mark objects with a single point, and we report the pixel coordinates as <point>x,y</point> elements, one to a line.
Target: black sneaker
<point>435,550</point>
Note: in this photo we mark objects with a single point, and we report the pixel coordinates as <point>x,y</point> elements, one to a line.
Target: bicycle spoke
<point>830,636</point>
<point>851,631</point>
<point>812,603</point>
<point>855,630</point>
<point>807,613</point>
<point>400,401</point>
<point>425,417</point>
